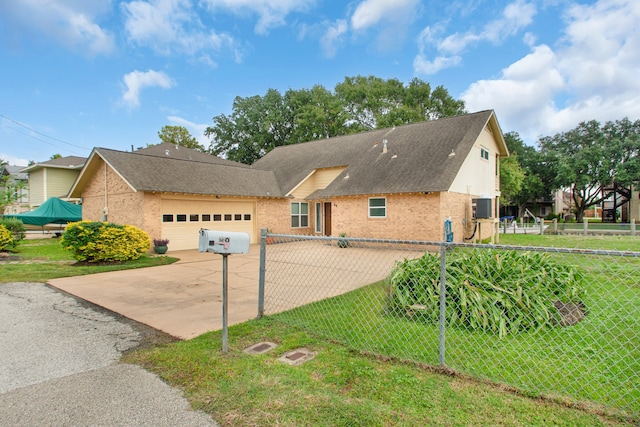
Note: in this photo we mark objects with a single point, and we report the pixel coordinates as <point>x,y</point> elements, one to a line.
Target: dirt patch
<point>570,313</point>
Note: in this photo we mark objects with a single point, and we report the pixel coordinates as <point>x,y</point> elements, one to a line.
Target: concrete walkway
<point>183,299</point>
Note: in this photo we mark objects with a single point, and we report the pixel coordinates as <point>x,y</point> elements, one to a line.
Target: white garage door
<point>183,219</point>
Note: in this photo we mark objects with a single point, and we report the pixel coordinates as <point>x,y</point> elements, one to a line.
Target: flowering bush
<point>16,227</point>
<point>104,241</point>
<point>160,242</point>
<point>6,238</point>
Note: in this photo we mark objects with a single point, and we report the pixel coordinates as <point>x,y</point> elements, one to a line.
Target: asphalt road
<point>59,366</point>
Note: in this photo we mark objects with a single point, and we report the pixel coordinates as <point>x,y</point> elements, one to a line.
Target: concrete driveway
<point>183,299</point>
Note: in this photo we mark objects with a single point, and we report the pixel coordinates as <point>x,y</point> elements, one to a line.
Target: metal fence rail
<point>495,320</point>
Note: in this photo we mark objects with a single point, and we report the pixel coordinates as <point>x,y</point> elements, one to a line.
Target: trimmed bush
<point>499,291</point>
<point>6,239</point>
<point>15,226</point>
<point>92,241</point>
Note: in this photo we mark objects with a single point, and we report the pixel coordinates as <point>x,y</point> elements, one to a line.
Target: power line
<point>39,133</point>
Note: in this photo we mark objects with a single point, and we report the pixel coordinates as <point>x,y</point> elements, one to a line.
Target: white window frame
<point>300,216</point>
<point>484,153</point>
<point>384,208</point>
<point>318,217</point>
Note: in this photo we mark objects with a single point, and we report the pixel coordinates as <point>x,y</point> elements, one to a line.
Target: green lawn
<point>373,369</point>
<point>38,260</point>
<point>365,373</point>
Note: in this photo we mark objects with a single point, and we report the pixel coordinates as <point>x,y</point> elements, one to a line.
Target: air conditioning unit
<point>483,208</point>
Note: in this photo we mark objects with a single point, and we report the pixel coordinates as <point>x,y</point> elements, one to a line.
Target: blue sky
<point>79,74</point>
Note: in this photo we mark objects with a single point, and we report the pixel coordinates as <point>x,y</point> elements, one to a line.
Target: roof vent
<point>384,145</point>
<point>452,153</point>
<point>166,152</point>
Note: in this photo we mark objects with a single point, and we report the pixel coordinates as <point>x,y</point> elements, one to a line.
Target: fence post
<point>633,226</point>
<point>541,227</point>
<point>555,226</point>
<point>585,225</point>
<point>263,257</point>
<point>443,274</point>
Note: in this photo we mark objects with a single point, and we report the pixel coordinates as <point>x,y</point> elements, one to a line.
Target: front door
<point>327,218</point>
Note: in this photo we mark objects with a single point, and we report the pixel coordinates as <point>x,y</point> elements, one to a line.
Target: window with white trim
<point>299,214</point>
<point>377,207</point>
<point>484,153</point>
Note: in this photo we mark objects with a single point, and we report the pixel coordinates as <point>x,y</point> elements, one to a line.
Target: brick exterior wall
<point>125,206</point>
<point>414,216</point>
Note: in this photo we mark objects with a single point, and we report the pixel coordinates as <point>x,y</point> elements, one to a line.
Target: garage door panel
<point>183,219</point>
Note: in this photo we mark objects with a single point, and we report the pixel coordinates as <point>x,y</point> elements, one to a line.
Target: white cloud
<point>171,26</point>
<point>591,75</point>
<point>390,18</point>
<point>71,23</point>
<point>13,160</point>
<point>333,36</point>
<point>138,80</point>
<point>515,17</point>
<point>271,13</point>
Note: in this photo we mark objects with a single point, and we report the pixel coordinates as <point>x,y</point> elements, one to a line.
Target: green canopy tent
<point>52,211</point>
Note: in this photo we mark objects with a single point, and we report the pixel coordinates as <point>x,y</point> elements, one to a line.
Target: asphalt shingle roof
<point>146,172</point>
<point>417,158</point>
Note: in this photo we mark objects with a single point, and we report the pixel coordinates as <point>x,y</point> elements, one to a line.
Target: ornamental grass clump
<point>92,241</point>
<point>498,291</point>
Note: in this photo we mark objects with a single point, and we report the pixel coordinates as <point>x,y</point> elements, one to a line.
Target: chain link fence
<point>558,323</point>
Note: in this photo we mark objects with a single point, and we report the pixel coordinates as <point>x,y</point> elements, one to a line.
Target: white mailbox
<point>223,242</point>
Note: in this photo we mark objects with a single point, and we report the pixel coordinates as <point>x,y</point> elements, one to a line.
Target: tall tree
<point>538,182</point>
<point>511,179</point>
<point>594,160</point>
<point>179,135</point>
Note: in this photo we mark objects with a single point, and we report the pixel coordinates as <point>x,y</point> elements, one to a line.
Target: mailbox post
<point>224,243</point>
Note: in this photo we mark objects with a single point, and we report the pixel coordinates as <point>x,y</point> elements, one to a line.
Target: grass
<point>339,387</point>
<point>345,384</point>
<point>38,260</point>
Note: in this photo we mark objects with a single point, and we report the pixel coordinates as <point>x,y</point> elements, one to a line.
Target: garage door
<point>183,219</point>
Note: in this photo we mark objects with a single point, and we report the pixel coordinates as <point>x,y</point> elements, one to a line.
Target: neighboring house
<point>19,181</point>
<point>52,178</point>
<point>398,183</point>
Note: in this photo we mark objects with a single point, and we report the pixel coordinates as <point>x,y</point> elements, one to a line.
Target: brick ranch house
<point>396,183</point>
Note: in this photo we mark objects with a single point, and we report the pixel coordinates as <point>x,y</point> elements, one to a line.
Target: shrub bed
<point>6,239</point>
<point>92,241</point>
<point>16,227</point>
<point>499,291</point>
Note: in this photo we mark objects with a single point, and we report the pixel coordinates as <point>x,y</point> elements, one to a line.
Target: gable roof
<point>417,157</point>
<point>166,149</point>
<point>160,173</point>
<point>68,162</point>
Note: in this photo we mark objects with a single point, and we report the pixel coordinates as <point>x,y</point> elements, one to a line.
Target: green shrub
<point>498,291</point>
<point>15,226</point>
<point>7,240</point>
<point>104,241</point>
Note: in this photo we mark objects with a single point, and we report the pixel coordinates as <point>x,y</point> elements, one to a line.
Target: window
<point>299,214</point>
<point>237,217</point>
<point>206,217</point>
<point>167,218</point>
<point>247,217</point>
<point>318,217</point>
<point>217,217</point>
<point>484,153</point>
<point>227,217</point>
<point>377,207</point>
<point>194,217</point>
<point>181,218</point>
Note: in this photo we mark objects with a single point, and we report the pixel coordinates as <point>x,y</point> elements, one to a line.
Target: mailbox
<point>223,242</point>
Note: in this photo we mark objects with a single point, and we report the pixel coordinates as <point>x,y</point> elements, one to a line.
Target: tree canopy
<point>594,160</point>
<point>179,135</point>
<point>258,124</point>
